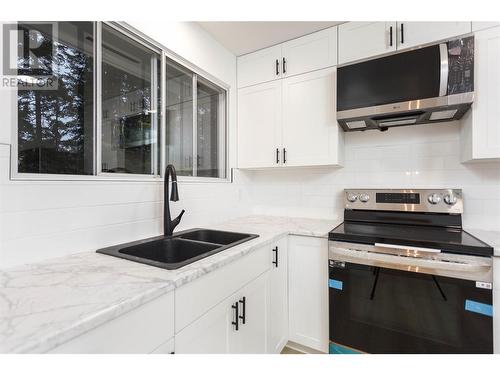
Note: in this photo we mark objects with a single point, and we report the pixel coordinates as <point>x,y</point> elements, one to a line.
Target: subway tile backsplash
<point>42,219</point>
<point>425,156</point>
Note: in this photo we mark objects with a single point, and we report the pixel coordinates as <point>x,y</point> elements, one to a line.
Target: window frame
<point>98,175</point>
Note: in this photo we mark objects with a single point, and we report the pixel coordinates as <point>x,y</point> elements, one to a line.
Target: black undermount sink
<point>178,250</point>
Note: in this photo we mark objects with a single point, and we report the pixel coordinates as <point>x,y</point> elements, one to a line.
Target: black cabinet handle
<point>243,315</point>
<point>284,155</point>
<point>236,321</point>
<point>277,156</point>
<point>277,67</point>
<point>275,261</point>
<point>402,33</point>
<point>390,36</point>
<point>284,65</point>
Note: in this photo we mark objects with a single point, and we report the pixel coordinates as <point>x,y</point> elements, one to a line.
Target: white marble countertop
<point>45,304</point>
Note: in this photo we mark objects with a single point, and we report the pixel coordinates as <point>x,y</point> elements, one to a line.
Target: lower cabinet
<point>236,325</point>
<point>147,329</point>
<point>252,319</point>
<point>308,291</point>
<point>278,303</point>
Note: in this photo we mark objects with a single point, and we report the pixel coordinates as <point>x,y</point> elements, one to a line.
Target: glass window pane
<point>130,102</point>
<point>55,121</point>
<point>179,112</point>
<point>210,134</point>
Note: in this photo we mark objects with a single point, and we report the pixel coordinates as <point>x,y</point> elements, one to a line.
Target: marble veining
<point>45,304</point>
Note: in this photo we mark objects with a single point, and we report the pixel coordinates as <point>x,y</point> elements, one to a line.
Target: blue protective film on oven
<point>335,348</point>
<point>335,284</point>
<point>478,307</point>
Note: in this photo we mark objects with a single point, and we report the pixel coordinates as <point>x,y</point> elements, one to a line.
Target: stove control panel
<point>418,200</point>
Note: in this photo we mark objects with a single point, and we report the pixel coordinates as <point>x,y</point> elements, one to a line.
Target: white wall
<point>425,156</point>
<point>41,219</point>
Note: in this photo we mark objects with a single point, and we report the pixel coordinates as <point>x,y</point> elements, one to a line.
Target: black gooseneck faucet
<point>169,224</point>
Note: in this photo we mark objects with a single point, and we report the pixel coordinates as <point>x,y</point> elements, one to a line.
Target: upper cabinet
<point>310,52</point>
<point>480,132</point>
<point>290,123</point>
<point>359,40</point>
<point>311,135</point>
<point>476,26</point>
<point>260,66</point>
<point>413,34</point>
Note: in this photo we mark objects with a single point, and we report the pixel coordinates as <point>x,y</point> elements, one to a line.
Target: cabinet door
<point>258,67</point>
<point>308,291</point>
<point>411,34</point>
<point>476,26</point>
<point>311,52</point>
<point>208,334</point>
<point>251,337</point>
<point>278,304</point>
<point>311,134</point>
<point>259,125</point>
<point>480,136</point>
<point>360,40</point>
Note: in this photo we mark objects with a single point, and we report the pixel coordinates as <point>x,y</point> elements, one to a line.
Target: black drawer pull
<point>236,321</point>
<point>277,67</point>
<point>275,261</point>
<point>390,36</point>
<point>402,33</point>
<point>277,156</point>
<point>284,155</point>
<point>284,65</point>
<point>243,315</point>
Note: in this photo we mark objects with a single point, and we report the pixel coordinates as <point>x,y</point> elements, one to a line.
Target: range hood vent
<point>407,88</point>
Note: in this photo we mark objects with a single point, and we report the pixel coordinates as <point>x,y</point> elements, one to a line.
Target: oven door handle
<point>403,247</point>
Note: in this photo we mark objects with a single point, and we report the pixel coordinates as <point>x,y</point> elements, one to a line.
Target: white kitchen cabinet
<point>253,310</point>
<point>210,333</point>
<point>260,125</point>
<point>278,303</point>
<point>215,331</point>
<point>412,34</point>
<point>360,40</point>
<point>310,52</point>
<point>261,66</point>
<point>311,134</point>
<point>290,123</point>
<point>197,297</point>
<point>142,330</point>
<point>476,26</point>
<point>308,291</point>
<point>480,127</point>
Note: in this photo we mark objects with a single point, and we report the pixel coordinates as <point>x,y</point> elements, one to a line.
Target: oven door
<point>377,306</point>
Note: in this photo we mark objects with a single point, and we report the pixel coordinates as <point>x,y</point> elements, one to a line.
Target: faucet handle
<point>177,220</point>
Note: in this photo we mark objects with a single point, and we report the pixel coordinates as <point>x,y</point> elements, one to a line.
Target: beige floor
<point>287,350</point>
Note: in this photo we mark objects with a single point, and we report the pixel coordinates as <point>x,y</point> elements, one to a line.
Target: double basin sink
<point>178,250</point>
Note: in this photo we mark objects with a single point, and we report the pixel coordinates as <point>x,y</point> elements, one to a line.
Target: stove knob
<point>352,197</point>
<point>450,199</point>
<point>364,198</point>
<point>434,199</point>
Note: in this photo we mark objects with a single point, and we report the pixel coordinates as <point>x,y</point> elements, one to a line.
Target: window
<point>130,102</point>
<point>105,113</point>
<point>196,124</point>
<point>55,122</point>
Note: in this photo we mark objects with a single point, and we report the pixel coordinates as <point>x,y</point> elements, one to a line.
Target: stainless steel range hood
<point>425,85</point>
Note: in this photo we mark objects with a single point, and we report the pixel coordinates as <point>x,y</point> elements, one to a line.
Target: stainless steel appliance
<point>404,277</point>
<point>429,84</point>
